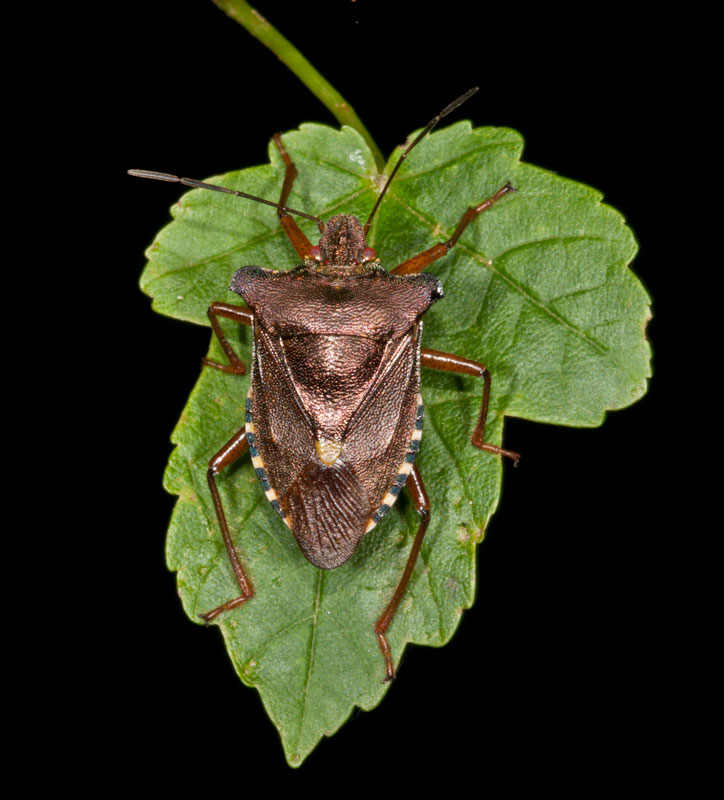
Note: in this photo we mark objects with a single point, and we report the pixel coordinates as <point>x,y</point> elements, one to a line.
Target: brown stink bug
<point>334,415</point>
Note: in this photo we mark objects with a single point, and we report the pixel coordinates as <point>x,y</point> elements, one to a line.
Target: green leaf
<point>538,289</point>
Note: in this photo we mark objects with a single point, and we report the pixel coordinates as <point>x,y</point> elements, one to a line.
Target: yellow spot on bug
<point>328,450</point>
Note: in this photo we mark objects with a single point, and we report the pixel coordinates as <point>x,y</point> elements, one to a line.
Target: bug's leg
<point>299,241</point>
<point>238,314</point>
<point>229,453</point>
<point>419,497</point>
<point>419,262</point>
<point>464,366</point>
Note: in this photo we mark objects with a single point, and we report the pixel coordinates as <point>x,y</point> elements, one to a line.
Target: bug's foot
<point>209,616</point>
<point>385,647</point>
<point>391,675</point>
<point>231,369</point>
<point>499,451</point>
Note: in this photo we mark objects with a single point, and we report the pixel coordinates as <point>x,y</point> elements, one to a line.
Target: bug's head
<point>343,243</point>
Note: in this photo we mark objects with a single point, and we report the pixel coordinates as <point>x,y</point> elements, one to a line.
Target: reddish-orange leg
<point>238,314</point>
<point>419,497</point>
<point>419,262</point>
<point>450,363</point>
<point>229,453</point>
<point>296,236</point>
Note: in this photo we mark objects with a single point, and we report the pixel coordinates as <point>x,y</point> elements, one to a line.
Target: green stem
<point>258,27</point>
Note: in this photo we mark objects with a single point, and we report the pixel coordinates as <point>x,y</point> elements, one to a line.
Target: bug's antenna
<point>164,176</point>
<point>430,125</point>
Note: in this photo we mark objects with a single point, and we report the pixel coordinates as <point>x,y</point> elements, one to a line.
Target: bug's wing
<point>283,430</point>
<point>333,444</point>
<point>387,426</point>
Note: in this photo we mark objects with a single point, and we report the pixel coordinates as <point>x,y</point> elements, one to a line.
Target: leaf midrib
<point>311,654</point>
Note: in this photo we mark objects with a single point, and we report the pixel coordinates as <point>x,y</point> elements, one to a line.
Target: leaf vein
<point>311,654</point>
<point>262,646</point>
<point>513,284</point>
<point>460,157</point>
<point>339,167</point>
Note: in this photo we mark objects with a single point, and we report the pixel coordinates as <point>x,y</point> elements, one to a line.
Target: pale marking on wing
<point>328,450</point>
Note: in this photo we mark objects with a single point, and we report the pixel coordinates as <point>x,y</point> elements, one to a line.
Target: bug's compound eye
<point>368,254</point>
<point>315,253</point>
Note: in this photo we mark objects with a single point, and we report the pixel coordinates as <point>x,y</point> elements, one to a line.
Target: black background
<point>554,675</point>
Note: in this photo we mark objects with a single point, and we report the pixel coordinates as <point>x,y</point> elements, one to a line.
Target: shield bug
<point>334,415</point>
